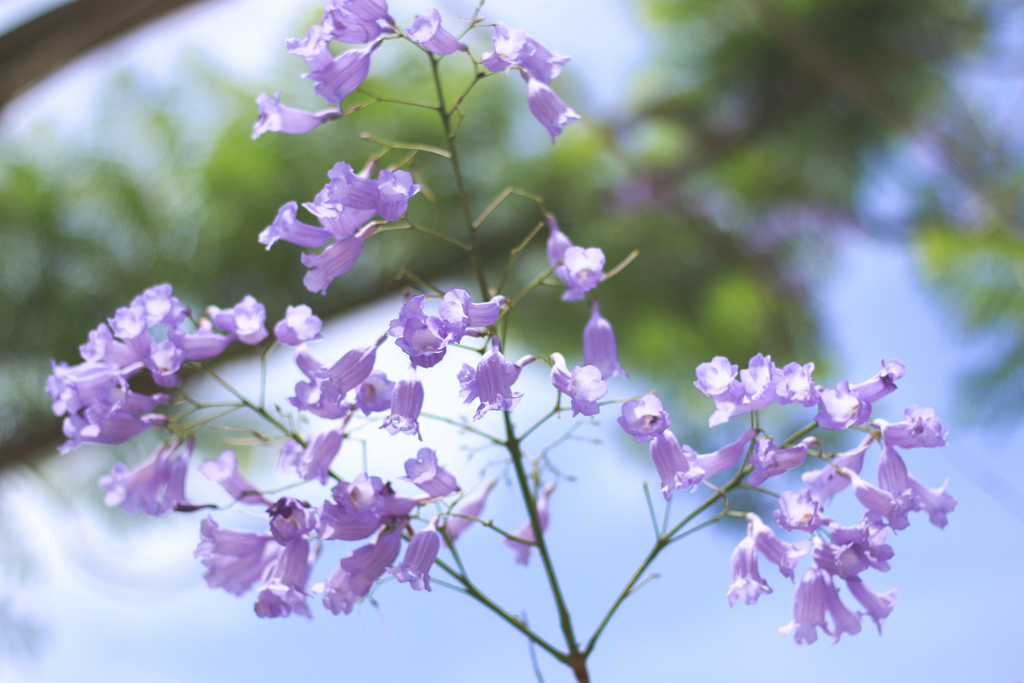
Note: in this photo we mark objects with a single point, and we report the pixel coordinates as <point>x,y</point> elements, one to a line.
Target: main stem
<point>449,136</point>
<point>576,660</point>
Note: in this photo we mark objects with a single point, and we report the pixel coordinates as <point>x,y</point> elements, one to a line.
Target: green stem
<point>799,435</point>
<point>516,623</point>
<point>446,123</point>
<point>255,408</point>
<point>512,443</point>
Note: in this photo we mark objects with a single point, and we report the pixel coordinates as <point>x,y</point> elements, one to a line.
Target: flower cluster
<point>837,551</point>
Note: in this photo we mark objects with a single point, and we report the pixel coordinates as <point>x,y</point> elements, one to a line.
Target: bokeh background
<point>828,180</point>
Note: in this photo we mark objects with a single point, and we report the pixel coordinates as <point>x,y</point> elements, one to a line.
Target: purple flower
<point>583,385</point>
<point>426,30</point>
<point>287,227</point>
<point>423,338</point>
<point>419,557</point>
<point>525,532</point>
<point>424,471</point>
<point>644,418</point>
<point>798,511</point>
<point>758,382</point>
<point>676,466</point>
<point>599,348</point>
<point>893,507</point>
<point>920,428</point>
<point>548,108</point>
<point>393,192</point>
<point>796,386</point>
<point>281,118</point>
<point>746,581</point>
<point>317,395</point>
<point>878,605</point>
<point>809,607</point>
<point>845,621</point>
<point>165,359</point>
<point>359,570</point>
<point>725,457</point>
<point>338,78</point>
<point>892,471</point>
<point>581,270</point>
<point>512,47</point>
<point>717,379</point>
<point>282,588</point>
<point>557,242</point>
<point>99,423</point>
<point>245,320</point>
<point>769,460</point>
<point>334,261</point>
<point>155,486</point>
<point>314,462</point>
<point>882,384</point>
<point>160,306</point>
<point>491,382</point>
<point>936,502</point>
<point>826,482</point>
<point>202,344</point>
<point>841,408</point>
<point>406,404</point>
<point>235,560</point>
<point>290,519</point>
<point>784,555</point>
<point>224,471</point>
<point>298,325</point>
<point>359,510</point>
<point>457,522</point>
<point>350,371</point>
<point>374,394</point>
<point>459,312</point>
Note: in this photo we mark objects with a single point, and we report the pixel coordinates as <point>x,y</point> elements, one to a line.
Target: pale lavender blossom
<point>892,471</point>
<point>299,325</point>
<point>101,423</point>
<point>430,477</point>
<point>798,511</point>
<point>160,306</point>
<point>581,270</point>
<point>878,605</point>
<point>343,25</point>
<point>548,108</point>
<point>920,428</point>
<point>644,418</point>
<point>224,471</point>
<point>334,261</point>
<point>245,320</point>
<point>393,192</point>
<point>717,379</point>
<point>282,588</point>
<point>406,404</point>
<point>419,557</point>
<point>426,30</point>
<point>491,382</point>
<point>280,118</point>
<point>358,511</point>
<point>795,385</point>
<point>747,583</point>
<point>826,482</point>
<point>583,385</point>
<point>155,486</point>
<point>338,78</point>
<point>374,394</point>
<point>454,524</point>
<point>164,360</point>
<point>350,371</point>
<point>843,619</point>
<point>290,519</point>
<point>202,344</point>
<point>512,47</point>
<point>758,382</point>
<point>893,507</point>
<point>314,461</point>
<point>676,467</point>
<point>725,457</point>
<point>235,560</point>
<point>809,607</point>
<point>459,313</point>
<point>841,408</point>
<point>288,227</point>
<point>525,532</point>
<point>599,348</point>
<point>423,338</point>
<point>359,570</point>
<point>780,553</point>
<point>882,384</point>
<point>769,460</point>
<point>936,502</point>
<point>557,242</point>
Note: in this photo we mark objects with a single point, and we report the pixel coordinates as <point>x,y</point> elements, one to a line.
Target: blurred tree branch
<point>40,46</point>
